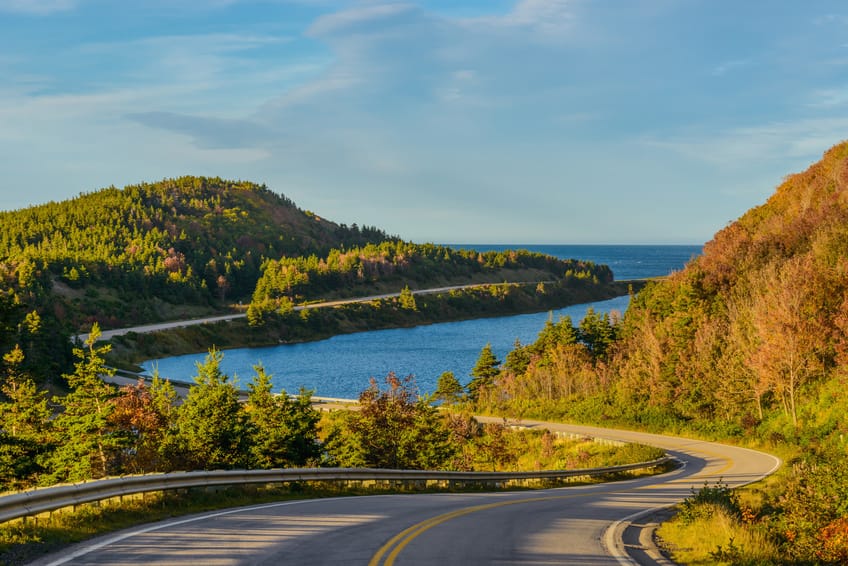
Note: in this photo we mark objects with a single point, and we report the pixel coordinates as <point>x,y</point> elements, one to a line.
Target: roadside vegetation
<point>103,431</point>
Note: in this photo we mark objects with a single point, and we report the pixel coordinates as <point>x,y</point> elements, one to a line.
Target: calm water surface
<point>342,366</point>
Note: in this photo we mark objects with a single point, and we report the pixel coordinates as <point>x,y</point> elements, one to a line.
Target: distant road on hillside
<point>147,328</point>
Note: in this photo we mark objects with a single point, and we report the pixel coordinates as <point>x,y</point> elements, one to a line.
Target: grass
<point>717,526</point>
<point>715,539</point>
<point>541,450</point>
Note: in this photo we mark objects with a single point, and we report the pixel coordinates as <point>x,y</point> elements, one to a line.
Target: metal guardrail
<point>36,501</point>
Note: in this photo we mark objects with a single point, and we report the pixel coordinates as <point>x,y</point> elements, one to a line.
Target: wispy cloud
<point>364,18</point>
<point>829,98</point>
<point>737,148</point>
<point>524,115</point>
<point>209,133</point>
<point>545,19</point>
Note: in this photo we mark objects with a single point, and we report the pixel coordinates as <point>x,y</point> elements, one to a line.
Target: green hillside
<point>135,251</point>
<point>173,249</point>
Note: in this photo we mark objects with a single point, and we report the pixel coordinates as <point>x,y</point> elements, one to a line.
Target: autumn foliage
<point>749,340</point>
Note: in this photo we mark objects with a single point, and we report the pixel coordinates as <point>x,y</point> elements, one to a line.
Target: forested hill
<point>187,240</point>
<point>175,248</point>
<point>754,328</point>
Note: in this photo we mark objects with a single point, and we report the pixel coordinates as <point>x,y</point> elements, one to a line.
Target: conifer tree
<point>597,332</point>
<point>284,429</point>
<point>518,358</point>
<point>85,443</point>
<point>484,373</point>
<point>448,388</point>
<point>212,430</point>
<point>407,299</point>
<point>24,424</point>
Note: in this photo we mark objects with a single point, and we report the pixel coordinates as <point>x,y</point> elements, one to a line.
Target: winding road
<point>586,525</point>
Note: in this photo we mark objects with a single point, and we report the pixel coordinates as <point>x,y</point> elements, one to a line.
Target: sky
<point>448,121</point>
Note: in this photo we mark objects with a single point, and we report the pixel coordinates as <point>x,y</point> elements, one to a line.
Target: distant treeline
<point>353,272</point>
<point>187,240</point>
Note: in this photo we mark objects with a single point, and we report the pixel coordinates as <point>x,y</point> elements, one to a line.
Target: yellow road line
<point>397,543</point>
<point>403,538</point>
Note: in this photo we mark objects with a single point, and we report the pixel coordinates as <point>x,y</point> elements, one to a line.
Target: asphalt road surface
<point>573,525</point>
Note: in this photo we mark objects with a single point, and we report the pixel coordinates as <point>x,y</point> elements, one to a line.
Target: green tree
<point>448,389</point>
<point>284,430</point>
<point>25,413</point>
<point>24,422</point>
<point>597,332</point>
<point>407,299</point>
<point>518,358</point>
<point>212,430</point>
<point>85,440</point>
<point>484,372</point>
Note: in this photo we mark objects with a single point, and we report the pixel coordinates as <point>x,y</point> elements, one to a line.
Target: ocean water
<point>342,366</point>
<point>626,261</point>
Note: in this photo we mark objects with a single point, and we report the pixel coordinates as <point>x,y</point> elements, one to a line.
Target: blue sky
<point>531,121</point>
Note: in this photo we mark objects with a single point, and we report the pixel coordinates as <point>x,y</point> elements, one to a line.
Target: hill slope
<point>749,341</point>
<point>757,324</point>
<point>189,240</point>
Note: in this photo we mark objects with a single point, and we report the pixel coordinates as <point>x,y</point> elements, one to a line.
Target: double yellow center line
<point>387,553</point>
<point>398,542</point>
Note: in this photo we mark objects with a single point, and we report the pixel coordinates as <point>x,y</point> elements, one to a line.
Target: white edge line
<point>155,527</point>
<point>613,536</point>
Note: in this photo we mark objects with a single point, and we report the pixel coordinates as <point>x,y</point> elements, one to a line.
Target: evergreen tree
<point>284,430</point>
<point>24,425</point>
<point>597,332</point>
<point>448,388</point>
<point>518,358</point>
<point>484,372</point>
<point>85,440</point>
<point>212,430</point>
<point>553,333</point>
<point>407,299</point>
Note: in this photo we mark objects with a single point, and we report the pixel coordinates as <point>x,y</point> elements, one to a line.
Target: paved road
<point>146,328</point>
<point>574,525</point>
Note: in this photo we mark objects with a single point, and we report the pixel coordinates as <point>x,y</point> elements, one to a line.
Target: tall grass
<point>716,527</point>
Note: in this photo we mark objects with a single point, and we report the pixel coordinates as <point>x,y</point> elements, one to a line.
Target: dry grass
<point>716,538</point>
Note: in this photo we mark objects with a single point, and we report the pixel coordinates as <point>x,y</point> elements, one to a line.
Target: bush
<point>707,500</point>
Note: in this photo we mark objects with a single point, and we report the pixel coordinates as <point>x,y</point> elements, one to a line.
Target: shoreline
<point>344,378</point>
